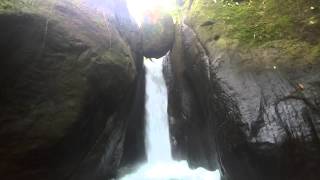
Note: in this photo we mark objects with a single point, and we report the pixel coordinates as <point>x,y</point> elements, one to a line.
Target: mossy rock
<point>158,36</point>
<point>58,69</point>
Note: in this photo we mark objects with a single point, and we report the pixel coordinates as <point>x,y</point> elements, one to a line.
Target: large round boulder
<point>158,34</point>
<point>64,77</point>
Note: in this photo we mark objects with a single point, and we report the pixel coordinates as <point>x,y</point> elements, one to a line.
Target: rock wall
<point>255,111</point>
<point>71,85</point>
<point>189,126</point>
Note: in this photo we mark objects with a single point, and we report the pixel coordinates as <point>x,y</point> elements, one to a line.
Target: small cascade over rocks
<point>160,164</point>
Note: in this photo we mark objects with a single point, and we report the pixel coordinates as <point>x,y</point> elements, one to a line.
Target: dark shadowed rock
<point>191,138</point>
<point>69,83</point>
<point>260,109</point>
<point>157,34</point>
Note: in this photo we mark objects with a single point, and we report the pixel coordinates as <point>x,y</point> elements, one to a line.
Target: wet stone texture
<point>259,121</point>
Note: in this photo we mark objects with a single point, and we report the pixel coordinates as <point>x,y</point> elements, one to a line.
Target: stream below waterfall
<point>160,164</point>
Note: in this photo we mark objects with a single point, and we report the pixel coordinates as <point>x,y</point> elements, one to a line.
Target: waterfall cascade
<point>160,165</point>
<point>157,128</point>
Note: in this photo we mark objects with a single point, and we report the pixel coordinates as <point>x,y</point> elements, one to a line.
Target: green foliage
<point>30,6</point>
<point>255,22</point>
<point>18,5</point>
<point>7,4</point>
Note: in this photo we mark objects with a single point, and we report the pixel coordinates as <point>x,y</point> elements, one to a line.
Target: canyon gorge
<point>225,89</point>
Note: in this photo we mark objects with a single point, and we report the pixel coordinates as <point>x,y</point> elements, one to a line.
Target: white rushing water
<point>157,128</point>
<point>160,165</point>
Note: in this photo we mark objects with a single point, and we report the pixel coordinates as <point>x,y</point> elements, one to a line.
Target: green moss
<point>296,49</point>
<point>256,22</point>
<point>292,26</point>
<point>114,56</point>
<point>150,30</point>
<point>13,6</point>
<point>315,51</point>
<point>7,4</point>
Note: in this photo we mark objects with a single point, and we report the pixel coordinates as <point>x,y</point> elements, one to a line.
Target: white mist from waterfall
<point>160,165</point>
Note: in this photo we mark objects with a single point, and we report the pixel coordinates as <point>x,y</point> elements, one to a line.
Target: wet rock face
<point>157,35</point>
<point>263,121</point>
<point>191,139</point>
<point>68,85</point>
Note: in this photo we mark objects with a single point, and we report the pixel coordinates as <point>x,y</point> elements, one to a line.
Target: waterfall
<point>157,128</point>
<point>160,165</point>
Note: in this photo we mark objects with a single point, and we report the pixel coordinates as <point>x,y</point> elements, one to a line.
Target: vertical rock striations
<point>254,112</point>
<point>190,125</point>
